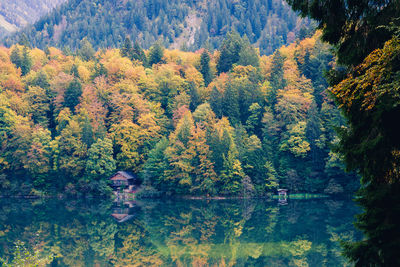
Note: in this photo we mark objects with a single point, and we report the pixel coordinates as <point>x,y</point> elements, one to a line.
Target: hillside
<point>17,14</point>
<point>181,24</point>
<point>227,123</point>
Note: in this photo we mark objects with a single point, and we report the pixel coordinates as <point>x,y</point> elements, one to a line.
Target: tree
<point>71,154</point>
<point>138,53</point>
<point>154,168</point>
<point>205,67</point>
<point>126,49</point>
<point>353,27</point>
<point>271,179</point>
<point>100,162</point>
<point>86,51</point>
<point>15,56</point>
<point>368,98</point>
<point>26,61</point>
<point>72,94</point>
<point>229,52</point>
<point>156,54</point>
<point>248,55</point>
<point>126,140</point>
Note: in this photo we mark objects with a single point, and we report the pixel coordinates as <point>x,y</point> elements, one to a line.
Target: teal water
<point>176,233</point>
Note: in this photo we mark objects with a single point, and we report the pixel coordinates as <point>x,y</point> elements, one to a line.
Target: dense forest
<point>17,14</point>
<point>222,123</point>
<point>181,24</point>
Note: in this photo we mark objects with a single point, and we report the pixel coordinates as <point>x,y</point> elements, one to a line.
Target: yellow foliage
<point>39,59</point>
<point>84,73</point>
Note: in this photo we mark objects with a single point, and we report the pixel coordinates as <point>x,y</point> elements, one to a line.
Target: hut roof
<point>122,174</point>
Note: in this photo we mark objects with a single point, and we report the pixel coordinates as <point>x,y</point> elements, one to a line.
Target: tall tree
<point>205,67</point>
<point>26,61</point>
<point>86,51</point>
<point>100,163</point>
<point>126,49</point>
<point>156,53</point>
<point>72,94</point>
<point>368,97</point>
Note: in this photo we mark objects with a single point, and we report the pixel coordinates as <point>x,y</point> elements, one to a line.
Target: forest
<point>227,123</point>
<point>184,25</point>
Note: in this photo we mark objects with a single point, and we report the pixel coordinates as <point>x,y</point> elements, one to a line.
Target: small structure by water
<point>125,181</point>
<point>282,196</point>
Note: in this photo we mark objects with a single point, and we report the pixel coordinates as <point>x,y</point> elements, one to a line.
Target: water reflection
<point>179,233</point>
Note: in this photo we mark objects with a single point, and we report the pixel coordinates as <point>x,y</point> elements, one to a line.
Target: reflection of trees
<point>181,233</point>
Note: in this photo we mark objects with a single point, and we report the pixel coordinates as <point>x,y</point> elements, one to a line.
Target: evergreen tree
<point>230,104</point>
<point>126,49</point>
<point>205,67</point>
<point>216,99</point>
<point>368,97</point>
<point>138,53</point>
<point>26,61</point>
<point>86,51</point>
<point>156,54</point>
<point>72,94</point>
<point>194,96</point>
<point>16,56</point>
<point>229,52</point>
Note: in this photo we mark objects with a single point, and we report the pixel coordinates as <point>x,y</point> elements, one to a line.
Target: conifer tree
<point>156,53</point>
<point>26,61</point>
<point>72,94</point>
<point>138,53</point>
<point>126,49</point>
<point>205,67</point>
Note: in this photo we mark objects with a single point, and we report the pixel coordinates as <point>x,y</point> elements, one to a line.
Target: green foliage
<point>269,23</point>
<point>75,119</point>
<point>86,51</point>
<point>22,59</point>
<point>156,54</point>
<point>72,94</point>
<point>100,162</point>
<point>366,38</point>
<point>205,67</point>
<point>353,27</point>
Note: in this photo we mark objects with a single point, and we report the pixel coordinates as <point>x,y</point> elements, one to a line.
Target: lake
<point>176,233</point>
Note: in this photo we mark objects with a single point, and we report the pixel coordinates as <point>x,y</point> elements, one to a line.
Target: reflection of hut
<point>282,196</point>
<point>124,180</point>
<point>124,212</point>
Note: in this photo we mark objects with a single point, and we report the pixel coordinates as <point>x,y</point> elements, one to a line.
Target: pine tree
<point>72,94</point>
<point>15,56</point>
<point>86,51</point>
<point>138,54</point>
<point>205,67</point>
<point>229,52</point>
<point>26,61</point>
<point>126,49</point>
<point>156,54</point>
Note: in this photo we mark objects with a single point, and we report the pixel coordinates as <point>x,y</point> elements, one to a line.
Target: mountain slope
<point>185,24</point>
<point>19,13</point>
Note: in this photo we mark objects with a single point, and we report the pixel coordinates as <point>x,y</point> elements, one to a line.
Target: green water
<point>177,233</point>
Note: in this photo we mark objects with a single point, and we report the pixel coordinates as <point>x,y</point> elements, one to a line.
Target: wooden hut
<point>125,181</point>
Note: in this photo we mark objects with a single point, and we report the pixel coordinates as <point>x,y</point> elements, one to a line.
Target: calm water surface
<point>178,233</point>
